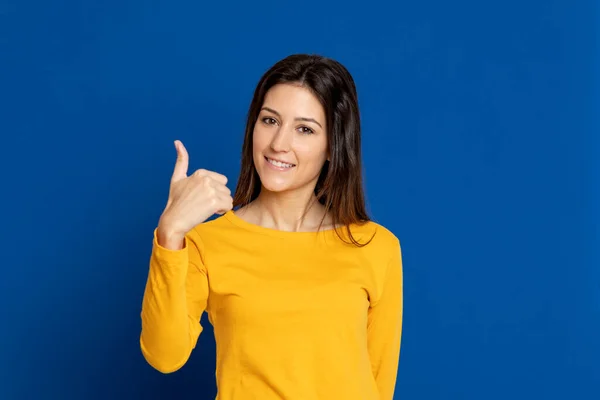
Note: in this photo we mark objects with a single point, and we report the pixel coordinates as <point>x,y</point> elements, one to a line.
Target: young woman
<point>303,290</point>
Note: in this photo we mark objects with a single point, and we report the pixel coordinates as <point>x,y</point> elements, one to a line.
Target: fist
<point>194,198</point>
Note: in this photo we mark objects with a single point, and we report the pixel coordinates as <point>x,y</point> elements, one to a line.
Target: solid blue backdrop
<point>480,147</point>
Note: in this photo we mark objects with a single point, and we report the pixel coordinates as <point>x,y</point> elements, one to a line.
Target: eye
<point>306,130</point>
<point>269,121</point>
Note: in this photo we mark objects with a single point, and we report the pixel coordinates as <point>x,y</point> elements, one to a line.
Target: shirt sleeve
<point>384,329</point>
<point>175,297</point>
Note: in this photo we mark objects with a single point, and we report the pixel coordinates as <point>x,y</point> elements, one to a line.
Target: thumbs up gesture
<point>192,199</point>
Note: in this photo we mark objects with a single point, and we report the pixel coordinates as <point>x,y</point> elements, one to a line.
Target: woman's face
<point>290,139</point>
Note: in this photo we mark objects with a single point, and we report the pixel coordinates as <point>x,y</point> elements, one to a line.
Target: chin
<point>273,178</point>
<point>275,185</point>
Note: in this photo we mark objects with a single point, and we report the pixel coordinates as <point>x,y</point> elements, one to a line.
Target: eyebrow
<point>297,119</point>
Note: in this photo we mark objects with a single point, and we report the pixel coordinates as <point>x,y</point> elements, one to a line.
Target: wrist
<point>169,237</point>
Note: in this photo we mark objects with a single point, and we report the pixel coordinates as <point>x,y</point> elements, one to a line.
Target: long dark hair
<point>339,186</point>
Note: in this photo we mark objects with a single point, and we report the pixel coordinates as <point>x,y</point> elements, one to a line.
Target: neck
<point>288,211</point>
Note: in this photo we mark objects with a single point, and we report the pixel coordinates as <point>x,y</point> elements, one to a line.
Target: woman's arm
<point>385,327</point>
<point>175,297</point>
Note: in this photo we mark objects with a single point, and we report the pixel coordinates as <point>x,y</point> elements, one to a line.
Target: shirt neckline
<point>237,220</point>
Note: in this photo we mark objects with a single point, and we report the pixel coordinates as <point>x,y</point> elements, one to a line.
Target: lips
<point>279,163</point>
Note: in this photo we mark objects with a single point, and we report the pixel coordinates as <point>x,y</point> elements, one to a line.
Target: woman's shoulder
<point>380,235</point>
<point>216,223</point>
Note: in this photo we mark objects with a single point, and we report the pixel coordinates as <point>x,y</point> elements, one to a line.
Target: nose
<point>281,141</point>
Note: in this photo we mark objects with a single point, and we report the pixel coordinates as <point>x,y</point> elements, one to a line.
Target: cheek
<point>257,140</point>
<point>312,153</point>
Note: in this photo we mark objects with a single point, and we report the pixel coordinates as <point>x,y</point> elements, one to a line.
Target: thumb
<point>181,165</point>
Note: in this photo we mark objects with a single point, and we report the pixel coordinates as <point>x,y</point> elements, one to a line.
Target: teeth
<point>280,164</point>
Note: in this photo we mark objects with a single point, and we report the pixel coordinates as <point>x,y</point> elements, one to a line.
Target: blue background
<point>480,147</point>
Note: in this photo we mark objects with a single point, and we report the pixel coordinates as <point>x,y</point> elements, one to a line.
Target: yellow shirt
<point>296,315</point>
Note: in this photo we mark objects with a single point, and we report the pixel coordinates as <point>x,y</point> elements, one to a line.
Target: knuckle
<point>200,172</point>
<point>202,180</point>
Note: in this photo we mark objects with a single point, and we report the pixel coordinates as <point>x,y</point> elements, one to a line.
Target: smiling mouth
<point>279,164</point>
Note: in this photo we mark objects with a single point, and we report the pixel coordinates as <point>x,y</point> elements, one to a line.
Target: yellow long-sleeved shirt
<point>296,315</point>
